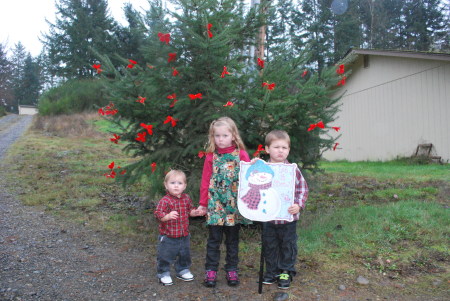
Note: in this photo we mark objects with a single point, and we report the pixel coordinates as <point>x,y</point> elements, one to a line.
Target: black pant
<point>280,248</point>
<point>213,247</point>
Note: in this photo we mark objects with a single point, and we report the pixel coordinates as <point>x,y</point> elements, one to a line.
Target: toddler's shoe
<point>284,280</point>
<point>232,278</point>
<point>186,276</point>
<point>166,280</point>
<point>269,280</point>
<point>210,278</point>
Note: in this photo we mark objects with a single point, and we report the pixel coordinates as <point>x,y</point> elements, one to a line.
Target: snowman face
<point>259,178</point>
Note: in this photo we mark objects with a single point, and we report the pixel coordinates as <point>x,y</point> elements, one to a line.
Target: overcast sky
<point>24,20</point>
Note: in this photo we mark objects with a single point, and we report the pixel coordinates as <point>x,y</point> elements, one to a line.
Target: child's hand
<point>172,215</point>
<point>294,209</point>
<point>201,210</point>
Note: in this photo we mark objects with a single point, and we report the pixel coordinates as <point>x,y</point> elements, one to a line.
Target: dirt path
<point>45,258</point>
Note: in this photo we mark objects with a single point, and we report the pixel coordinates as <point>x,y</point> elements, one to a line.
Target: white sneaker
<point>166,280</point>
<point>186,277</point>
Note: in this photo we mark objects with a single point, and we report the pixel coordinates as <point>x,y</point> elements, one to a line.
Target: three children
<point>218,201</point>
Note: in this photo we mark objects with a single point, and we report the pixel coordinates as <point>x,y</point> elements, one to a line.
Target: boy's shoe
<point>269,280</point>
<point>232,278</point>
<point>210,278</point>
<point>284,280</point>
<point>186,276</point>
<point>166,280</point>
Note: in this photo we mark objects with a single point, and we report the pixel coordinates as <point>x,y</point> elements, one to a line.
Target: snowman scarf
<point>253,196</point>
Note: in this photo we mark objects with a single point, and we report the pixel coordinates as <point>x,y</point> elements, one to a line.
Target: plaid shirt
<point>180,226</point>
<point>300,195</point>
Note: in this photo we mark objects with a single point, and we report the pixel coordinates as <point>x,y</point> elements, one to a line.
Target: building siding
<point>391,107</point>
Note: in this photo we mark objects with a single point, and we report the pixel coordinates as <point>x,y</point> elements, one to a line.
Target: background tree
<point>28,86</point>
<point>6,78</point>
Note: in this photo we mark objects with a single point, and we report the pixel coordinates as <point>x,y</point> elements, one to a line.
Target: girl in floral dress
<point>218,198</point>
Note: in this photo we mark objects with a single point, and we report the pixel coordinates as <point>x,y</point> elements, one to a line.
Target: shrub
<point>2,111</point>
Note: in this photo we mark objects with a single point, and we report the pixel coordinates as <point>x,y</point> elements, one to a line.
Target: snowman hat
<point>259,166</point>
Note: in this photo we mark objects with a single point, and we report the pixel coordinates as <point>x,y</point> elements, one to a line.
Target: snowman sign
<point>266,190</point>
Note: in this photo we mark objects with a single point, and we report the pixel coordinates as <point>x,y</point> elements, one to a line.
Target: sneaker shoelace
<point>211,275</point>
<point>284,276</point>
<point>232,275</point>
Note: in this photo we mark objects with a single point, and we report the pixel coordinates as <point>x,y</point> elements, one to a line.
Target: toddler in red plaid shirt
<point>173,212</point>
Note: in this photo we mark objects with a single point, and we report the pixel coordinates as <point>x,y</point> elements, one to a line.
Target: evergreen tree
<point>164,106</point>
<point>80,26</point>
<point>19,54</point>
<point>6,91</point>
<point>29,86</point>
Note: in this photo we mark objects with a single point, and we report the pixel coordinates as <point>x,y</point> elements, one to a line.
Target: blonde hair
<point>175,172</point>
<point>277,135</point>
<point>229,123</point>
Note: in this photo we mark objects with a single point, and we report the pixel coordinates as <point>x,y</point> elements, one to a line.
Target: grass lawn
<point>384,217</point>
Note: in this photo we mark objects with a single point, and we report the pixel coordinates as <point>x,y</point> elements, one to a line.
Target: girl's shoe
<point>232,278</point>
<point>186,276</point>
<point>210,278</point>
<point>166,280</point>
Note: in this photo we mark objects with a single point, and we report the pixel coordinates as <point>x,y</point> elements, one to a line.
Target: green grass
<point>389,170</point>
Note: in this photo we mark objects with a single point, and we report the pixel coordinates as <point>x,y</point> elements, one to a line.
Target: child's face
<point>223,137</point>
<point>278,151</point>
<point>175,185</point>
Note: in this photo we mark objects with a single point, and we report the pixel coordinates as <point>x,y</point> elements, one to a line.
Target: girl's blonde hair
<point>229,123</point>
<point>175,172</point>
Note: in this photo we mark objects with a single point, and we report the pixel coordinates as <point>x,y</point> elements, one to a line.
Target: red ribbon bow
<point>225,71</point>
<point>335,145</point>
<point>201,154</point>
<point>175,72</point>
<point>172,120</point>
<point>174,100</point>
<point>172,57</point>
<point>341,69</point>
<point>97,67</point>
<point>141,137</point>
<point>269,86</point>
<point>115,139</point>
<point>148,127</point>
<point>164,37</point>
<point>228,104</point>
<point>210,35</point>
<point>153,165</point>
<point>319,125</point>
<point>336,128</point>
<point>259,150</point>
<point>261,63</point>
<point>108,110</point>
<point>141,99</point>
<point>304,73</point>
<point>342,81</point>
<point>195,96</point>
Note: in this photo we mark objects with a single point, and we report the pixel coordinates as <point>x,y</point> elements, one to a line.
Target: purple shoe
<point>210,278</point>
<point>232,278</point>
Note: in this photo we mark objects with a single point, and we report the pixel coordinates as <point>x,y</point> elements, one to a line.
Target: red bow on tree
<point>108,110</point>
<point>132,63</point>
<point>111,175</point>
<point>148,127</point>
<point>319,125</point>
<point>115,139</point>
<point>335,145</point>
<point>225,71</point>
<point>111,165</point>
<point>259,150</point>
<point>174,99</point>
<point>97,67</point>
<point>141,137</point>
<point>210,35</point>
<point>172,57</point>
<point>269,86</point>
<point>195,96</point>
<point>341,69</point>
<point>342,81</point>
<point>336,128</point>
<point>201,154</point>
<point>153,165</point>
<point>175,72</point>
<point>164,37</point>
<point>304,73</point>
<point>172,120</point>
<point>141,99</point>
<point>228,104</point>
<point>150,66</point>
<point>261,63</point>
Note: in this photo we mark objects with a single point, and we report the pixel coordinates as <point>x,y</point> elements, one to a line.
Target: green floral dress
<point>223,189</point>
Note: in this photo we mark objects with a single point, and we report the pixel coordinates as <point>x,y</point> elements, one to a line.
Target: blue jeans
<point>280,248</point>
<point>213,247</point>
<point>173,250</point>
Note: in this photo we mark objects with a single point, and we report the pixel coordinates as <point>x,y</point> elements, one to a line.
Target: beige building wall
<point>27,110</point>
<point>391,107</point>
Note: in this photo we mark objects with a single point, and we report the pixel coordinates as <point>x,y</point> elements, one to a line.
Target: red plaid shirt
<point>180,226</point>
<point>300,194</point>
